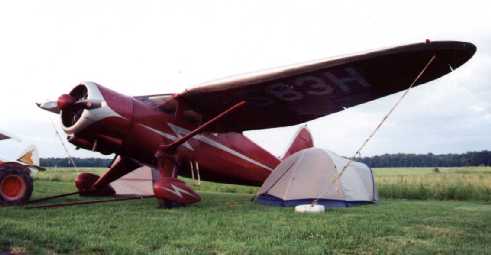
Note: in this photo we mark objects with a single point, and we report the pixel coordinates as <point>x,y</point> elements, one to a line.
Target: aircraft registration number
<point>320,84</point>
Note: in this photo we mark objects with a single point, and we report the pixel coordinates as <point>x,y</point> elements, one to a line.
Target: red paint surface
<point>140,129</point>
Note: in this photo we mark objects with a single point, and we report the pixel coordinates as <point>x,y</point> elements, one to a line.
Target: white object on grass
<point>310,208</point>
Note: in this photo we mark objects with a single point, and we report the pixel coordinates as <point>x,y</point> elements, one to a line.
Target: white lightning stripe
<point>178,131</point>
<point>208,141</point>
<point>177,191</point>
<point>227,149</point>
<point>167,135</point>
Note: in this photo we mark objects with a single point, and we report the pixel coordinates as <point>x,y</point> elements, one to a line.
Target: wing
<point>296,94</point>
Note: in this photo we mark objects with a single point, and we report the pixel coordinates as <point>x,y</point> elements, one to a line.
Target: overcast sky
<point>148,47</point>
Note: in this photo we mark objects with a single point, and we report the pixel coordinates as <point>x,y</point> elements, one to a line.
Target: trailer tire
<point>15,185</point>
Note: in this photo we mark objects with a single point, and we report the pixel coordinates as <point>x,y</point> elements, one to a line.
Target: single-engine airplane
<point>202,126</point>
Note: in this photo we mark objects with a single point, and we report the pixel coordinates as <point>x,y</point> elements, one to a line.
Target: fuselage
<point>136,128</point>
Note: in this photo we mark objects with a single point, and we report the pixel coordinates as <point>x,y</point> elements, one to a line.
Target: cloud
<point>158,47</point>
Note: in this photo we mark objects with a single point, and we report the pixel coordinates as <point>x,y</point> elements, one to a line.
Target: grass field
<point>228,223</point>
<point>470,183</point>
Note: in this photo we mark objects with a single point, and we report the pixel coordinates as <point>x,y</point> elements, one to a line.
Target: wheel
<point>15,186</point>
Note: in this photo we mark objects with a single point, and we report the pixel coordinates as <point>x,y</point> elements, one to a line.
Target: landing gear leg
<point>167,187</point>
<point>167,168</point>
<point>170,191</point>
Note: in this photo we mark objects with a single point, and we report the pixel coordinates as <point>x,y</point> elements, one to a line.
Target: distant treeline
<point>79,162</point>
<point>481,158</point>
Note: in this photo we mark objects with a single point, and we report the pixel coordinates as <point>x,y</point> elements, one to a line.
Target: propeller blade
<point>87,104</point>
<point>51,106</point>
<point>67,103</point>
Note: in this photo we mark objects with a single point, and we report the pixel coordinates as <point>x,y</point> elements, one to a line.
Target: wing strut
<point>173,146</point>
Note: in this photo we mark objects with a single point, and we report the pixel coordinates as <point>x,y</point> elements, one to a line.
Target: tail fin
<point>302,140</point>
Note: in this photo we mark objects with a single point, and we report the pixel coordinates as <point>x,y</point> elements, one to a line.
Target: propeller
<point>68,102</point>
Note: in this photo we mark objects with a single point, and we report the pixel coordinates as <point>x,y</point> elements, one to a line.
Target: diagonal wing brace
<point>171,148</point>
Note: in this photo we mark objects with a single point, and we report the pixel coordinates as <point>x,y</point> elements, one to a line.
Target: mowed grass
<point>469,183</point>
<point>69,175</point>
<point>226,223</point>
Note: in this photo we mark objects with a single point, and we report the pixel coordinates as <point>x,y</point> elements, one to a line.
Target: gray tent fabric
<point>310,175</point>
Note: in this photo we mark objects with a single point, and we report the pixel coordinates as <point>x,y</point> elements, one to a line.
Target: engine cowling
<point>95,118</point>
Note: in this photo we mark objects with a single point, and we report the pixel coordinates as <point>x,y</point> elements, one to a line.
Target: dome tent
<point>309,175</point>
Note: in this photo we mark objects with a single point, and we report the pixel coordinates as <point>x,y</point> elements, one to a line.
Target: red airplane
<point>202,127</point>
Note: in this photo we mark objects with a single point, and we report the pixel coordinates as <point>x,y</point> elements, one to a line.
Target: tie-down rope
<point>358,152</point>
<point>58,135</point>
